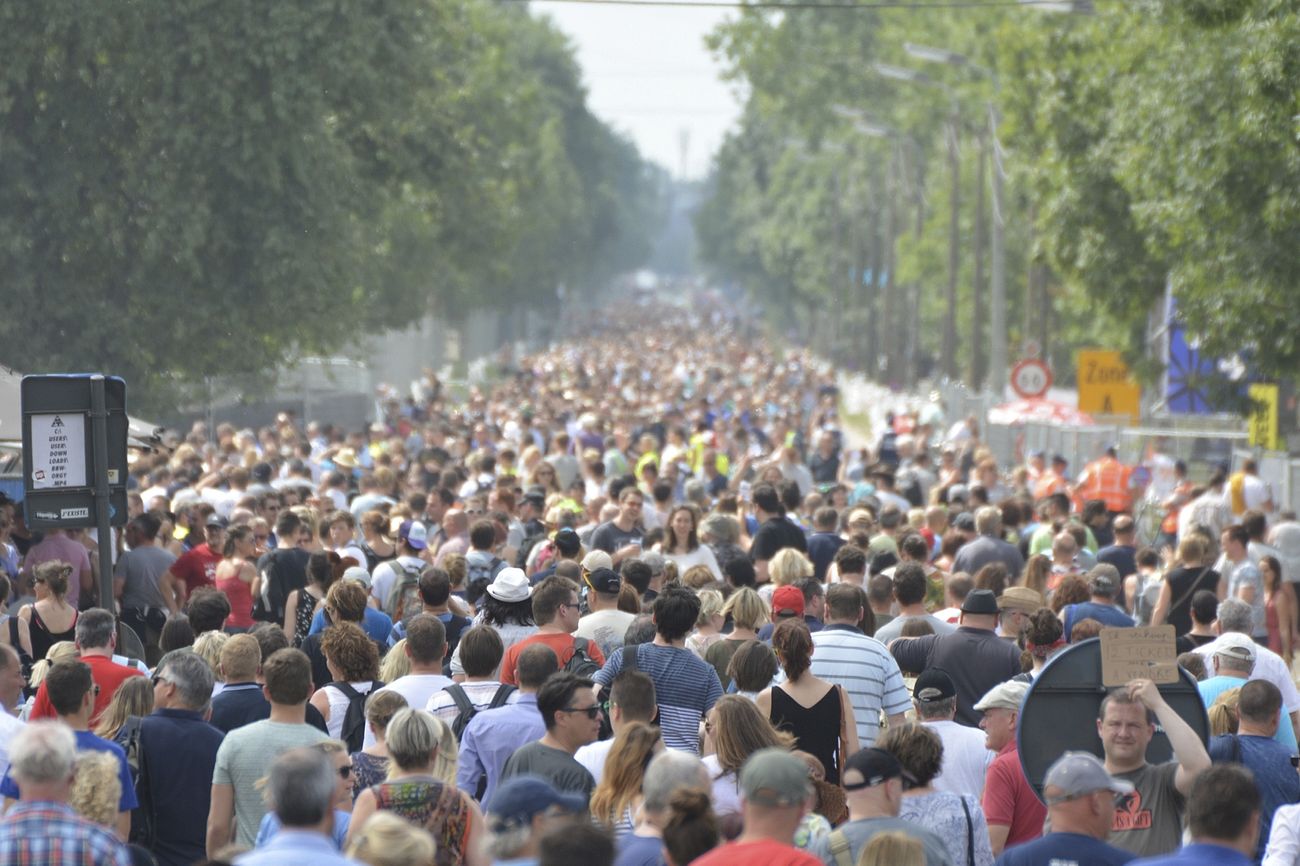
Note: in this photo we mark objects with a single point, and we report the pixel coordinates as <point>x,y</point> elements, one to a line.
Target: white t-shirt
<point>385,576</point>
<point>605,628</point>
<point>699,556</point>
<point>593,755</point>
<point>726,788</point>
<point>417,689</point>
<point>1268,666</point>
<point>965,759</point>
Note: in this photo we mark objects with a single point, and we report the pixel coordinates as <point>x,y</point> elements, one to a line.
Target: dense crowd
<point>645,599</point>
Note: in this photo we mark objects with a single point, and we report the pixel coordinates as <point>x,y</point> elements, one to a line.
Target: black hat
<point>536,496</point>
<point>262,472</point>
<point>933,685</point>
<point>980,601</point>
<point>567,542</point>
<point>605,581</point>
<point>965,522</point>
<point>875,766</point>
<point>217,520</point>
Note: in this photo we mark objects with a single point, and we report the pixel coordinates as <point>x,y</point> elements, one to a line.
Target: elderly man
<point>302,788</point>
<point>1081,799</point>
<point>1235,622</point>
<point>42,827</point>
<point>525,802</point>
<point>966,758</point>
<point>988,547</point>
<point>1231,667</point>
<point>1013,811</point>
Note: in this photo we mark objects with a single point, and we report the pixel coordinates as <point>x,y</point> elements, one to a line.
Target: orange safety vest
<point>1048,484</point>
<point>1170,524</point>
<point>1108,480</point>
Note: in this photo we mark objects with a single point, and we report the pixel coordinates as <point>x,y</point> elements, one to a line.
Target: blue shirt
<point>634,850</point>
<point>1214,686</point>
<point>491,737</point>
<point>822,547</point>
<point>179,747</point>
<point>270,827</point>
<point>1199,854</point>
<point>293,848</point>
<point>1065,849</point>
<point>88,742</point>
<point>1275,778</point>
<point>686,687</point>
<point>1106,614</point>
<point>376,623</point>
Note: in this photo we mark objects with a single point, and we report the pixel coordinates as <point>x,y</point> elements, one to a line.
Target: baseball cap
<point>597,559</point>
<point>414,533</point>
<point>1006,696</point>
<point>1076,773</point>
<point>518,799</point>
<point>774,777</point>
<point>1103,579</point>
<point>787,600</point>
<point>359,574</point>
<point>535,498</point>
<point>980,601</point>
<point>874,766</point>
<point>567,542</point>
<point>1235,645</point>
<point>933,685</point>
<point>965,521</point>
<point>215,519</point>
<point>1020,598</point>
<point>605,581</point>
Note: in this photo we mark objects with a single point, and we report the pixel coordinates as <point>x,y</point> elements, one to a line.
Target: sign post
<point>72,479</point>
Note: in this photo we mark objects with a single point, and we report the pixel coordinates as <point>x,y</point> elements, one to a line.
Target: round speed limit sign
<point>1031,378</point>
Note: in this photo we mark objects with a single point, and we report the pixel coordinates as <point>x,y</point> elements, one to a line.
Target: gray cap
<point>1077,773</point>
<point>1004,696</point>
<point>774,777</point>
<point>1104,580</point>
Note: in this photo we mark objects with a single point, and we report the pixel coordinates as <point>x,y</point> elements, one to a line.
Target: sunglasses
<point>345,772</point>
<point>592,711</point>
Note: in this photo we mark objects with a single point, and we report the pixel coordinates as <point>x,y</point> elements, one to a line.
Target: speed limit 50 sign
<point>1031,378</point>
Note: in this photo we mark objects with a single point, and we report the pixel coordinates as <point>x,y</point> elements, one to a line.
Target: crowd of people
<point>642,600</point>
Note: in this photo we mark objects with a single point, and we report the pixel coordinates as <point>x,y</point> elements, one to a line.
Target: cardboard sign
<point>1146,652</point>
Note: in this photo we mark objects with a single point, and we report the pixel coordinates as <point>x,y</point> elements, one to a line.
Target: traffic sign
<point>1105,385</point>
<point>1031,378</point>
<point>59,455</point>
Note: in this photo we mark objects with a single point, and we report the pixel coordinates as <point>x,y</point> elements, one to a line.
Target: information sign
<point>1105,385</point>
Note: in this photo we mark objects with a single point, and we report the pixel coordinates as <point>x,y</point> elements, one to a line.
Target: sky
<point>650,76</point>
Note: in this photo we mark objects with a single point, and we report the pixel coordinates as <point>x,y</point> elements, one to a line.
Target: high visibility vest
<point>1108,480</point>
<point>1048,484</point>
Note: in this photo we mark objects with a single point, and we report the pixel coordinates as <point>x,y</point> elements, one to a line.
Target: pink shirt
<point>67,550</point>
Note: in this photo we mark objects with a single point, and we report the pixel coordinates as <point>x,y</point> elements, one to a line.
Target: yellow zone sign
<point>1106,386</point>
<point>1262,422</point>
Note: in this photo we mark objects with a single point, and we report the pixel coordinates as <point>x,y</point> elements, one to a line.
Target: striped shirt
<point>686,687</point>
<point>864,668</point>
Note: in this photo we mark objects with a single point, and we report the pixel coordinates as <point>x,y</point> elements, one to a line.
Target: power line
<point>810,4</point>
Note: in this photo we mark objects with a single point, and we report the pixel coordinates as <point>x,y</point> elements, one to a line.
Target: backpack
<point>353,731</point>
<point>629,664</point>
<point>479,574</point>
<point>467,708</point>
<point>581,662</point>
<point>404,599</point>
<point>142,818</point>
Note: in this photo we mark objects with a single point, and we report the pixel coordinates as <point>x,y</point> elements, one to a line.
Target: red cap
<point>787,600</point>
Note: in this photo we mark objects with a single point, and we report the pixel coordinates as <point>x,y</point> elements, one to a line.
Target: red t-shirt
<point>1009,801</point>
<point>106,673</point>
<point>561,643</point>
<point>764,852</point>
<point>197,567</point>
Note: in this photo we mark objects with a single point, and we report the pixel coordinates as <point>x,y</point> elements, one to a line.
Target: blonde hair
<point>789,566</point>
<point>418,740</point>
<point>710,605</point>
<point>96,788</point>
<point>1224,713</point>
<point>209,646</point>
<point>54,574</point>
<point>64,650</point>
<point>395,665</point>
<point>134,697</point>
<point>625,767</point>
<point>746,609</point>
<point>387,840</point>
<point>893,848</point>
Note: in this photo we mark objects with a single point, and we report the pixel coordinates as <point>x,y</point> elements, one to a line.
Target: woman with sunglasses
<point>50,618</point>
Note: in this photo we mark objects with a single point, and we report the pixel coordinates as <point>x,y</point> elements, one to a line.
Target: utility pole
<point>954,237</point>
<point>979,286</point>
<point>998,361</point>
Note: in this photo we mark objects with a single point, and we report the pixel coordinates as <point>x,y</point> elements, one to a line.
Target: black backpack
<point>142,817</point>
<point>353,731</point>
<point>581,662</point>
<point>467,708</point>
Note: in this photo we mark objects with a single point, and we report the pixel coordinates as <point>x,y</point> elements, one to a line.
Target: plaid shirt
<point>51,834</point>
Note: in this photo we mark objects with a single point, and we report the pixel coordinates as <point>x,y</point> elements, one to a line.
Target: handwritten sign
<point>1138,653</point>
<point>58,451</point>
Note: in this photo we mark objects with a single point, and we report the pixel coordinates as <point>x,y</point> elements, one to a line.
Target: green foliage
<point>189,187</point>
<point>1153,140</point>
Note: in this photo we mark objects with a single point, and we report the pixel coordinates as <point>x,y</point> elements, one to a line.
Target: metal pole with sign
<point>69,480</point>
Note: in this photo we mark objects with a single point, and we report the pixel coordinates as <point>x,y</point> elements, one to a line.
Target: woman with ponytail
<point>236,576</point>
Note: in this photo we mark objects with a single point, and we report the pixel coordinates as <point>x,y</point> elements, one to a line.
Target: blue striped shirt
<point>686,687</point>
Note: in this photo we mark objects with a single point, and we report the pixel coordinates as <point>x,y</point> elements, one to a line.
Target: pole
<point>979,287</point>
<point>998,314</point>
<point>954,230</point>
<point>99,445</point>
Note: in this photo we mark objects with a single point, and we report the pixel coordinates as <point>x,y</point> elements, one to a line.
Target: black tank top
<point>816,729</point>
<point>43,638</point>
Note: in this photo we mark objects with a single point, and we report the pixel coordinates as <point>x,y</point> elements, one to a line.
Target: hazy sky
<point>649,75</point>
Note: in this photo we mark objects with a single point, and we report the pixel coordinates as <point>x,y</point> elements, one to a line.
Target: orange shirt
<point>561,643</point>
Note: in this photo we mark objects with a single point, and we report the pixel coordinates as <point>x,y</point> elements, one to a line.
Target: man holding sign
<point>1150,820</point>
